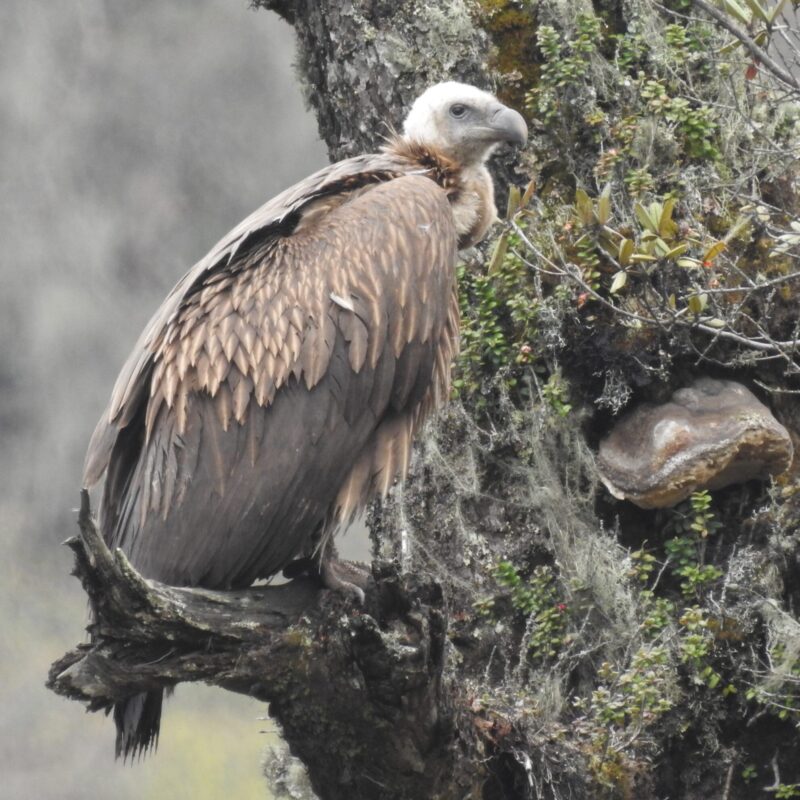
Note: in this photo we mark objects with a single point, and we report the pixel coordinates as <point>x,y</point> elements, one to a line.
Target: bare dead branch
<point>369,682</point>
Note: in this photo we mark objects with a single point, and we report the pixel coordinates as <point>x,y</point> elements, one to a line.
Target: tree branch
<point>144,630</point>
<point>758,53</point>
<point>368,682</point>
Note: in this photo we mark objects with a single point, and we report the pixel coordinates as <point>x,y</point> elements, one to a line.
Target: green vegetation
<point>643,219</point>
<point>538,600</point>
<point>659,240</point>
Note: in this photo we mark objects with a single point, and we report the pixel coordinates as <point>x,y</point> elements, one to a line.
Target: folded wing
<point>281,382</point>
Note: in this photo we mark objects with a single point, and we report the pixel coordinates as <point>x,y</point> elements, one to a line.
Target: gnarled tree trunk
<point>361,693</point>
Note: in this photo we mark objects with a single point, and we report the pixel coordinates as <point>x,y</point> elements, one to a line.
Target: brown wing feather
<point>279,215</point>
<point>385,458</point>
<point>266,394</point>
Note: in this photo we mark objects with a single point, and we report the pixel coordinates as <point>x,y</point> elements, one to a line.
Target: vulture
<point>280,384</point>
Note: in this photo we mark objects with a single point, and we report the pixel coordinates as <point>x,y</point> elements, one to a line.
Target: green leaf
<point>758,10</point>
<point>730,47</point>
<point>697,302</point>
<point>514,199</point>
<point>689,263</point>
<point>620,279</point>
<point>677,251</point>
<point>654,211</point>
<point>626,247</point>
<point>666,225</point>
<point>714,251</point>
<point>584,207</point>
<point>610,240</point>
<point>529,190</point>
<point>644,218</point>
<point>604,205</point>
<point>499,253</point>
<point>737,11</point>
<point>715,322</point>
<point>642,257</point>
<point>761,38</point>
<point>661,247</point>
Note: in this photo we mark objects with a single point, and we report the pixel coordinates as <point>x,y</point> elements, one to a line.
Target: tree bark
<point>361,694</point>
<point>363,63</point>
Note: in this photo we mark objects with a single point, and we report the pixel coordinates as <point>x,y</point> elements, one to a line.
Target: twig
<point>758,53</point>
<point>728,781</point>
<point>767,345</point>
<point>775,389</point>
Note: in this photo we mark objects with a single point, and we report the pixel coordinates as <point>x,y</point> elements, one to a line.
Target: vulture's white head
<point>463,122</point>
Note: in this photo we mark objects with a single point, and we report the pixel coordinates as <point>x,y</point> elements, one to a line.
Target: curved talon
<point>335,574</point>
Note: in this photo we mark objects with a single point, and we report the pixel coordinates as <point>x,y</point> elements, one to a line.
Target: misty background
<point>134,135</point>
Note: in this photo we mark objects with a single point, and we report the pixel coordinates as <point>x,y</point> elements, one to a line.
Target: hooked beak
<point>507,125</point>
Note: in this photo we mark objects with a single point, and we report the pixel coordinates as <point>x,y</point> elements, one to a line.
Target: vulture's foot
<point>348,577</point>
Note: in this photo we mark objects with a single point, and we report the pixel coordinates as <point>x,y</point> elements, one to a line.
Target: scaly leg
<point>348,577</point>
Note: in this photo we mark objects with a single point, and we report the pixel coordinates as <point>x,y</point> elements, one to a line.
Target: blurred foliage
<point>129,136</point>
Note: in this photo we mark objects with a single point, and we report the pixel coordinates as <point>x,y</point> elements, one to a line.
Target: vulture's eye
<point>458,110</point>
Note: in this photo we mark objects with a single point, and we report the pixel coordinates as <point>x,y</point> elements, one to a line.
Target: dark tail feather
<point>138,721</point>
